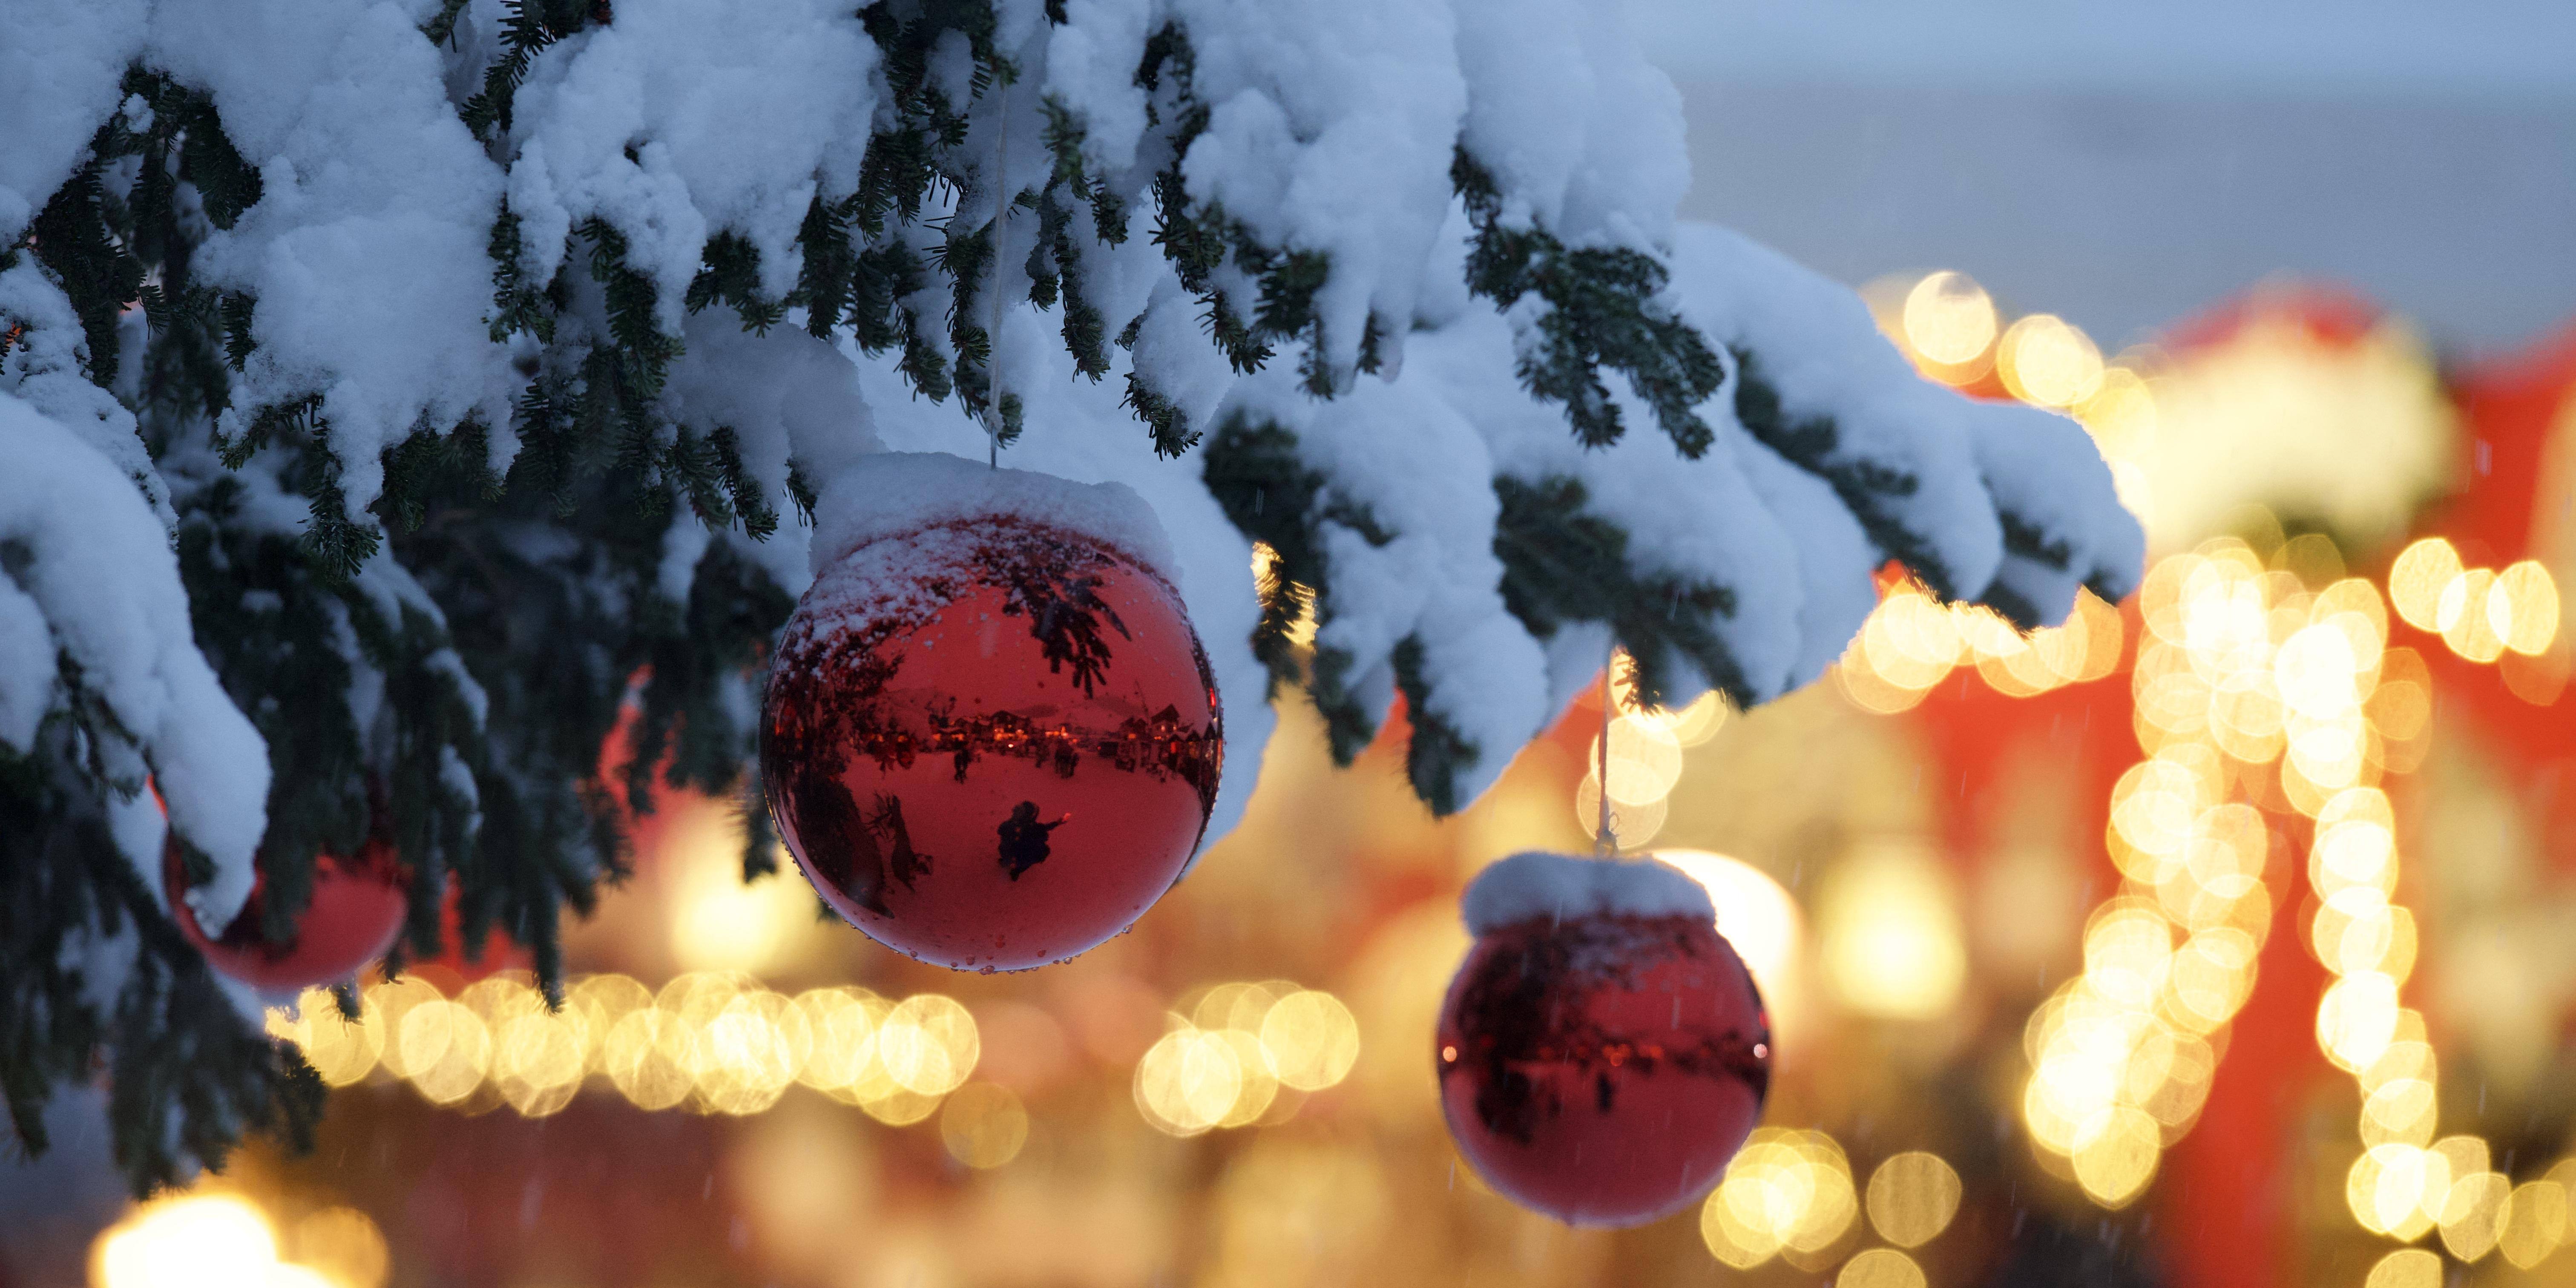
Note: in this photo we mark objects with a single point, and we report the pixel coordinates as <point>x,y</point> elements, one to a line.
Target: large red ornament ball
<point>356,910</point>
<point>1603,1051</point>
<point>991,743</point>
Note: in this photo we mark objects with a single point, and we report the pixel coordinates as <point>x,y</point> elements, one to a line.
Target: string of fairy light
<point>2264,684</point>
<point>2259,685</point>
<point>2407,1184</point>
<point>720,1042</point>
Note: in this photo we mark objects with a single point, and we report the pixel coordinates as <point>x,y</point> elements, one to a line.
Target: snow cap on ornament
<point>895,494</point>
<point>1603,1052</point>
<point>990,737</point>
<point>1536,884</point>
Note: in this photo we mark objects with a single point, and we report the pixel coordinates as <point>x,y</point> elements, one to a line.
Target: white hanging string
<point>993,330</point>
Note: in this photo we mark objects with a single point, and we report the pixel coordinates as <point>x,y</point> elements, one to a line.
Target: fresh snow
<point>1535,884</point>
<point>897,493</point>
<point>94,580</point>
<point>1331,129</point>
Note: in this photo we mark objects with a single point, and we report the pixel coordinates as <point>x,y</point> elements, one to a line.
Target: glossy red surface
<point>1001,763</point>
<point>356,910</point>
<point>1603,1069</point>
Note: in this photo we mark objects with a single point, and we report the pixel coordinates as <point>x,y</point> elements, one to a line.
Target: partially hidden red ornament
<point>357,908</point>
<point>1603,1052</point>
<point>991,742</point>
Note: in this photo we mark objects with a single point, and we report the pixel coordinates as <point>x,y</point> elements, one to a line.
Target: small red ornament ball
<point>356,910</point>
<point>1603,1052</point>
<point>990,744</point>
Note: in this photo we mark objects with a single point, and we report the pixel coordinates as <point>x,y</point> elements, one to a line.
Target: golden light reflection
<point>1232,1048</point>
<point>1888,919</point>
<point>344,1245</point>
<point>720,922</point>
<point>2406,1268</point>
<point>200,1241</point>
<point>1912,1197</point>
<point>1786,1193</point>
<point>2417,579</point>
<point>1645,759</point>
<point>2523,608</point>
<point>1188,1081</point>
<point>1310,1040</point>
<point>2247,670</point>
<point>984,1125</point>
<point>1911,643</point>
<point>1757,915</point>
<point>1949,319</point>
<point>1880,1268</point>
<point>2473,1214</point>
<point>222,1240</point>
<point>928,1044</point>
<point>2046,361</point>
<point>2535,1223</point>
<point>710,1041</point>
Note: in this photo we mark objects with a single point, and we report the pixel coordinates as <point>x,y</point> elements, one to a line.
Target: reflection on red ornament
<point>356,910</point>
<point>1602,1066</point>
<point>990,744</point>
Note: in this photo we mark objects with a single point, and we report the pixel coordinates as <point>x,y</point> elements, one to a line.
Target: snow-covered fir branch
<point>399,394</point>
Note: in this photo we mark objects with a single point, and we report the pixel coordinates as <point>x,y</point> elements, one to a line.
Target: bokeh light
<point>200,1240</point>
<point>1949,319</point>
<point>1787,1194</point>
<point>1888,919</point>
<point>2047,361</point>
<point>1880,1268</point>
<point>984,1125</point>
<point>1912,1197</point>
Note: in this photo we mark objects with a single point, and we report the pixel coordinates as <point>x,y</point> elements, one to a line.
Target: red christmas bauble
<point>991,743</point>
<point>1603,1052</point>
<point>356,910</point>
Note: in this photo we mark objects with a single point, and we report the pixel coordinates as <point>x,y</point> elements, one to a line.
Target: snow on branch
<point>532,327</point>
<point>94,631</point>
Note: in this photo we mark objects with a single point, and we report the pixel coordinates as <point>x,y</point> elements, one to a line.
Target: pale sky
<point>2378,47</point>
<point>2127,165</point>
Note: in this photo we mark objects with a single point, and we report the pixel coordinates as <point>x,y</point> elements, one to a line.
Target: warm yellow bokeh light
<point>448,1049</point>
<point>2116,1154</point>
<point>1645,759</point>
<point>341,1050</point>
<point>2357,1019</point>
<point>343,1244</point>
<point>2390,1188</point>
<point>2406,1268</point>
<point>1880,1268</point>
<point>720,922</point>
<point>1187,1081</point>
<point>2467,623</point>
<point>196,1241</point>
<point>1785,1192</point>
<point>984,1125</point>
<point>1912,1197</point>
<point>637,1055</point>
<point>1755,913</point>
<point>2399,1111</point>
<point>2417,579</point>
<point>2523,608</point>
<point>2046,360</point>
<point>2473,1214</point>
<point>1949,319</point>
<point>928,1044</point>
<point>1889,921</point>
<point>1310,1040</point>
<point>2535,1223</point>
